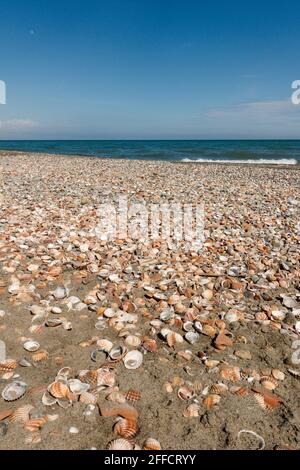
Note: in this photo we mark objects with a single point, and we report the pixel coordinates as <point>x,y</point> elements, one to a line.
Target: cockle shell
<point>89,376</point>
<point>133,395</point>
<point>5,414</point>
<point>35,438</point>
<point>106,377</point>
<point>104,345</point>
<point>8,365</point>
<point>126,428</point>
<point>31,346</point>
<point>120,444</point>
<point>261,441</point>
<point>218,388</point>
<point>88,398</point>
<point>110,313</point>
<point>36,423</point>
<point>231,373</point>
<point>150,344</point>
<point>21,415</point>
<point>151,444</point>
<point>60,292</point>
<point>269,383</point>
<point>14,391</point>
<point>63,373</point>
<point>40,356</point>
<point>211,400</point>
<point>278,374</point>
<point>117,397</point>
<point>174,338</point>
<point>48,399</point>
<point>58,389</point>
<point>133,359</point>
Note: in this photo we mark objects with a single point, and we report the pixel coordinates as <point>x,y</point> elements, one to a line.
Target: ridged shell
<point>151,444</point>
<point>133,395</point>
<point>116,354</point>
<point>133,341</point>
<point>231,373</point>
<point>174,338</point>
<point>209,330</point>
<point>36,423</point>
<point>278,374</point>
<point>192,411</point>
<point>126,428</point>
<point>106,377</point>
<point>48,399</point>
<point>105,345</point>
<point>8,365</point>
<point>40,356</point>
<point>35,438</point>
<point>120,444</point>
<point>89,376</point>
<point>211,400</point>
<point>269,383</point>
<point>133,359</point>
<point>21,415</point>
<point>88,398</point>
<point>117,397</point>
<point>191,337</point>
<point>58,389</point>
<point>149,344</point>
<point>77,387</point>
<point>218,388</point>
<point>14,391</point>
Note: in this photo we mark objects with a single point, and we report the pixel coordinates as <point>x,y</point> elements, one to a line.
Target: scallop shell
<point>89,376</point>
<point>133,341</point>
<point>88,398</point>
<point>218,388</point>
<point>63,373</point>
<point>120,444</point>
<point>104,345</point>
<point>269,383</point>
<point>133,359</point>
<point>58,389</point>
<point>8,365</point>
<point>31,346</point>
<point>133,395</point>
<point>14,391</point>
<point>21,415</point>
<point>231,373</point>
<point>106,377</point>
<point>40,356</point>
<point>151,444</point>
<point>126,428</point>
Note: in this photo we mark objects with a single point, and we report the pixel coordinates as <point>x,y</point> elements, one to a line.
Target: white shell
<point>78,387</point>
<point>166,314</point>
<point>31,345</point>
<point>133,359</point>
<point>60,293</point>
<point>109,313</point>
<point>14,391</point>
<point>117,352</point>
<point>104,345</point>
<point>164,332</point>
<point>192,337</point>
<point>48,400</point>
<point>133,341</point>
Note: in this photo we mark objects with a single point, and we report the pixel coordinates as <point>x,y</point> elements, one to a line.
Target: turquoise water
<point>252,151</point>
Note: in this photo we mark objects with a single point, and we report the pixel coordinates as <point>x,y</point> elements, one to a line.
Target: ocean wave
<point>259,161</point>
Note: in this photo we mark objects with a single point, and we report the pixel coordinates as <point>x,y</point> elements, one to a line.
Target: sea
<point>224,151</point>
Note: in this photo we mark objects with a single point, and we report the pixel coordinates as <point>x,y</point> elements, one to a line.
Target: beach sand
<point>241,292</point>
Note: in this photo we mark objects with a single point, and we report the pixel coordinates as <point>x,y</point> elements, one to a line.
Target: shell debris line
<point>137,343</point>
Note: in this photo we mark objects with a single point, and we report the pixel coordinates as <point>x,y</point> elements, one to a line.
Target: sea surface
<point>229,151</point>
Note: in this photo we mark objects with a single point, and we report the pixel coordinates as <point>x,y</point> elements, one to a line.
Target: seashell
<point>31,346</point>
<point>58,389</point>
<point>73,430</point>
<point>63,373</point>
<point>36,424</point>
<point>133,395</point>
<point>269,383</point>
<point>209,330</point>
<point>90,300</point>
<point>36,328</point>
<point>211,363</point>
<point>67,325</point>
<point>267,400</point>
<point>53,322</point>
<point>218,388</point>
<point>240,391</point>
<point>77,387</point>
<point>186,355</point>
<point>192,411</point>
<point>278,315</point>
<point>14,391</point>
<point>89,376</point>
<point>38,389</point>
<point>88,398</point>
<point>60,292</point>
<point>8,365</point>
<point>110,313</point>
<point>151,444</point>
<point>261,444</point>
<point>104,345</point>
<point>40,356</point>
<point>168,387</point>
<point>289,302</point>
<point>185,393</point>
<point>106,377</point>
<point>278,375</point>
<point>191,337</point>
<point>231,317</point>
<point>48,399</point>
<point>167,314</point>
<point>132,341</point>
<point>5,414</point>
<point>222,341</point>
<point>56,310</point>
<point>198,326</point>
<point>133,359</point>
<point>126,411</point>
<point>174,338</point>
<point>188,326</point>
<point>156,323</point>
<point>164,332</point>
<point>231,373</point>
<point>21,415</point>
<point>211,400</point>
<point>243,354</point>
<point>120,444</point>
<point>149,344</point>
<point>24,363</point>
<point>117,397</point>
<point>126,428</point>
<point>207,294</point>
<point>117,353</point>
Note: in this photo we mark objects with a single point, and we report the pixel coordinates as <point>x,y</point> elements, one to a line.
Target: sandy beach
<point>214,332</point>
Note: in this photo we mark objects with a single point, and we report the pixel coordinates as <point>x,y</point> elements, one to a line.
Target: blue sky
<point>149,69</point>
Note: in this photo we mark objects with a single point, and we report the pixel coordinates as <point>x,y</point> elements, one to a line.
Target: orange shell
<point>21,414</point>
<point>5,414</point>
<point>150,344</point>
<point>40,356</point>
<point>36,424</point>
<point>211,400</point>
<point>90,377</point>
<point>126,428</point>
<point>133,395</point>
<point>8,365</point>
<point>58,390</point>
<point>151,444</point>
<point>125,411</point>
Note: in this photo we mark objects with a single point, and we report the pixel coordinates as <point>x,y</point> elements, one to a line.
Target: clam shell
<point>149,344</point>
<point>53,322</point>
<point>89,376</point>
<point>151,444</point>
<point>63,373</point>
<point>191,337</point>
<point>117,397</point>
<point>278,374</point>
<point>166,314</point>
<point>106,377</point>
<point>120,444</point>
<point>77,387</point>
<point>31,345</point>
<point>133,359</point>
<point>192,411</point>
<point>14,391</point>
<point>188,326</point>
<point>126,428</point>
<point>211,400</point>
<point>110,313</point>
<point>261,442</point>
<point>133,341</point>
<point>117,353</point>
<point>60,292</point>
<point>5,414</point>
<point>104,345</point>
<point>36,423</point>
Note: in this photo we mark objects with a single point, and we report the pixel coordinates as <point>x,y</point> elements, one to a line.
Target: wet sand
<point>65,288</point>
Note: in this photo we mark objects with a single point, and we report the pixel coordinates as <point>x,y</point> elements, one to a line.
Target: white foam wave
<point>261,161</point>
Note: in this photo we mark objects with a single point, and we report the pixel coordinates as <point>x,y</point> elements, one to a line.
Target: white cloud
<point>18,124</point>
